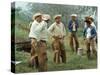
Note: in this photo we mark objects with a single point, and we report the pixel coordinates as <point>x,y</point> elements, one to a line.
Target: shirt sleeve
<point>93,32</point>
<point>77,23</point>
<point>94,25</point>
<point>69,24</point>
<point>50,29</point>
<point>32,30</point>
<point>32,27</point>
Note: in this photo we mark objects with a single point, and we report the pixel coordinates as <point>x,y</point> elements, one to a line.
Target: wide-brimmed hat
<point>91,17</point>
<point>36,14</point>
<point>75,15</point>
<point>57,16</point>
<point>46,17</point>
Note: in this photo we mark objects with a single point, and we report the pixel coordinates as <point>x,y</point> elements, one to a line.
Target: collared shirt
<point>57,29</point>
<point>38,30</point>
<point>74,26</point>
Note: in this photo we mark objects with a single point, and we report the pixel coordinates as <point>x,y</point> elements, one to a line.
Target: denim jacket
<point>70,27</point>
<point>93,32</point>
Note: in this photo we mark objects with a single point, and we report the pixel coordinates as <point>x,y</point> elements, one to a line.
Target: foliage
<point>74,62</point>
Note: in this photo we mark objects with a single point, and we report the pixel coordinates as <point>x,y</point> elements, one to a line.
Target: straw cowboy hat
<point>35,15</point>
<point>56,16</point>
<point>75,15</point>
<point>46,17</point>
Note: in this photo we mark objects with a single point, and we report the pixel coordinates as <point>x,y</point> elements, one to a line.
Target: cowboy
<point>90,33</point>
<point>38,35</point>
<point>92,23</point>
<point>73,27</point>
<point>42,54</point>
<point>90,18</point>
<point>58,33</point>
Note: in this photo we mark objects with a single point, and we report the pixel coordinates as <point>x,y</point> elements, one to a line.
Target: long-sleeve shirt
<point>57,29</point>
<point>39,31</point>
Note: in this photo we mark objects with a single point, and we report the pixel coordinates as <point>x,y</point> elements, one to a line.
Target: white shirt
<point>57,29</point>
<point>88,35</point>
<point>38,30</point>
<point>74,26</point>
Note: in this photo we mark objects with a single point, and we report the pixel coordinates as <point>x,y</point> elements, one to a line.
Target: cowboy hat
<point>74,15</point>
<point>36,14</point>
<point>46,17</point>
<point>57,16</point>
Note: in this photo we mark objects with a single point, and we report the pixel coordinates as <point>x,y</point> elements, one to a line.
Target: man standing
<point>38,36</point>
<point>90,18</point>
<point>58,32</point>
<point>93,24</point>
<point>73,27</point>
<point>89,34</point>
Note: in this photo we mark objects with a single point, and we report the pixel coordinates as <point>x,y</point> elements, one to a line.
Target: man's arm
<point>94,33</point>
<point>70,25</point>
<point>41,26</point>
<point>50,29</point>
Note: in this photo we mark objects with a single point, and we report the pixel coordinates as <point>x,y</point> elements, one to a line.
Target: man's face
<point>73,18</point>
<point>58,20</point>
<point>39,18</point>
<point>88,23</point>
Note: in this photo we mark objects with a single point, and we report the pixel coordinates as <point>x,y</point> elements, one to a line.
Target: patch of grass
<point>74,62</point>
